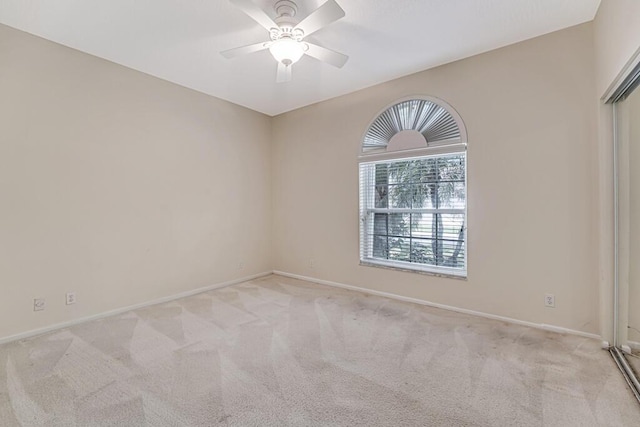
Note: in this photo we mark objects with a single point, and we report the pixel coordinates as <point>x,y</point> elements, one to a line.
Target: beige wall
<point>530,115</point>
<point>125,188</point>
<point>617,39</point>
<point>120,186</point>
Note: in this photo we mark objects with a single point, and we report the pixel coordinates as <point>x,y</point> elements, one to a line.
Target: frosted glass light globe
<point>286,50</point>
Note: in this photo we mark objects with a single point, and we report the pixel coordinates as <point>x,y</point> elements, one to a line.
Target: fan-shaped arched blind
<point>436,122</point>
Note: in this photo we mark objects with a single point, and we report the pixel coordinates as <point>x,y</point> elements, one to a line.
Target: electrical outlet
<point>550,300</point>
<point>311,264</point>
<point>71,298</point>
<point>38,304</point>
<point>241,265</point>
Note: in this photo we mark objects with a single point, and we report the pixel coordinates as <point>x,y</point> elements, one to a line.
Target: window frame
<point>378,146</point>
<point>368,209</point>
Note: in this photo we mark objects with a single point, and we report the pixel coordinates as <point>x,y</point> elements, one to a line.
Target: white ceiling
<point>180,40</point>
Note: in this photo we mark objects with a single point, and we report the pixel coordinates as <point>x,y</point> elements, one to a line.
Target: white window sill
<point>414,268</point>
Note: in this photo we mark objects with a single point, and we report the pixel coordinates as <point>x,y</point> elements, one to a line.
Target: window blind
<point>413,213</point>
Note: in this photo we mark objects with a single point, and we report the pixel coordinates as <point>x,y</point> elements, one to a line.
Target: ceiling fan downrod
<point>286,10</point>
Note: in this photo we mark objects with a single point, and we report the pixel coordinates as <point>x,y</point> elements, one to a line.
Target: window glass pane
<point>380,223</point>
<point>427,170</point>
<point>451,168</point>
<point>382,185</point>
<point>422,251</point>
<point>453,254</point>
<point>399,248</point>
<point>423,196</point>
<point>399,224</point>
<point>382,173</point>
<point>451,226</point>
<point>422,225</point>
<point>400,196</point>
<point>382,196</point>
<point>400,172</point>
<point>430,239</point>
<point>380,247</point>
<point>451,195</point>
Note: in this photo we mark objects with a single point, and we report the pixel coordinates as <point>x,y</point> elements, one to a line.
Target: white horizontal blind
<point>413,213</point>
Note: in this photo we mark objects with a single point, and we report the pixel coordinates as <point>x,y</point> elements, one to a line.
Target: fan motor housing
<point>286,11</point>
<point>285,8</point>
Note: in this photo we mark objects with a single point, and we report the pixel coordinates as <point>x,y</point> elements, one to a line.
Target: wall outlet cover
<point>550,300</point>
<point>71,298</point>
<point>38,304</point>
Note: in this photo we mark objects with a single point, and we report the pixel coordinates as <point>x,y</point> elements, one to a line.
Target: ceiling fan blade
<point>283,74</point>
<point>245,50</point>
<point>321,17</point>
<point>256,13</point>
<point>329,56</point>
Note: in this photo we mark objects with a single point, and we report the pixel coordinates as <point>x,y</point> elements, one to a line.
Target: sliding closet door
<point>627,115</point>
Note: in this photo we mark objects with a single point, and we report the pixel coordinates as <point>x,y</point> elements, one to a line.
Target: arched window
<point>413,189</point>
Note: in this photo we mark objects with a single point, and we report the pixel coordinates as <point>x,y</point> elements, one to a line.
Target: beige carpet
<point>278,351</point>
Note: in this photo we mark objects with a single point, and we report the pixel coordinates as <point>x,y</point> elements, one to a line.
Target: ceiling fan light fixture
<point>287,50</point>
<point>287,35</point>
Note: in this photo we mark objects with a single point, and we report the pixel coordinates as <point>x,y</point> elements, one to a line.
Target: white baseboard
<point>102,315</point>
<point>634,345</point>
<point>545,327</point>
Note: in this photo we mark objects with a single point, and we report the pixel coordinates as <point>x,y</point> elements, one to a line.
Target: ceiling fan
<point>287,45</point>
